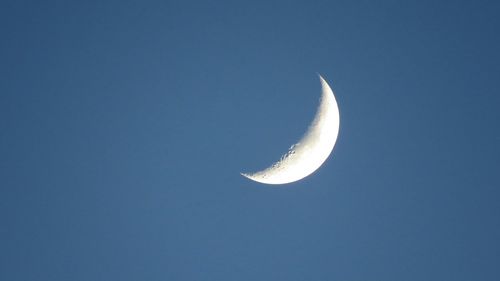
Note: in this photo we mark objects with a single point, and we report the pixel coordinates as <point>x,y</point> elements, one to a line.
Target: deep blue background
<point>124,126</point>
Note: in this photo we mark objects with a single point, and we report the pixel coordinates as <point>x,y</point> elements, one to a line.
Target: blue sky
<point>124,126</point>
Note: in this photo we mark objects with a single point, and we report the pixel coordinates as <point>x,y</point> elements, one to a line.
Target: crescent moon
<point>311,151</point>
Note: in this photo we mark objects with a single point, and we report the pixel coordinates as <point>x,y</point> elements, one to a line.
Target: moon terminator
<point>312,150</point>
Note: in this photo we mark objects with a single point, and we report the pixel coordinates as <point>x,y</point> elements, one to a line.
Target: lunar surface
<point>311,151</point>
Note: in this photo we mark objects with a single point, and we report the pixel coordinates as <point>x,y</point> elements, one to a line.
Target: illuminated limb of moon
<point>307,155</point>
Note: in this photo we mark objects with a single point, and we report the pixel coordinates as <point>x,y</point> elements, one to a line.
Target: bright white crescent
<point>307,155</point>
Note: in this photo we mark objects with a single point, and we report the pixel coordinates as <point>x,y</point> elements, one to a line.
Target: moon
<point>311,151</point>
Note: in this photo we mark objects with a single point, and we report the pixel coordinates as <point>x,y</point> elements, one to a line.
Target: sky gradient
<point>124,126</point>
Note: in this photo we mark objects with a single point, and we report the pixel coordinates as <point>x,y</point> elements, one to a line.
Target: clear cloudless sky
<point>124,126</point>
